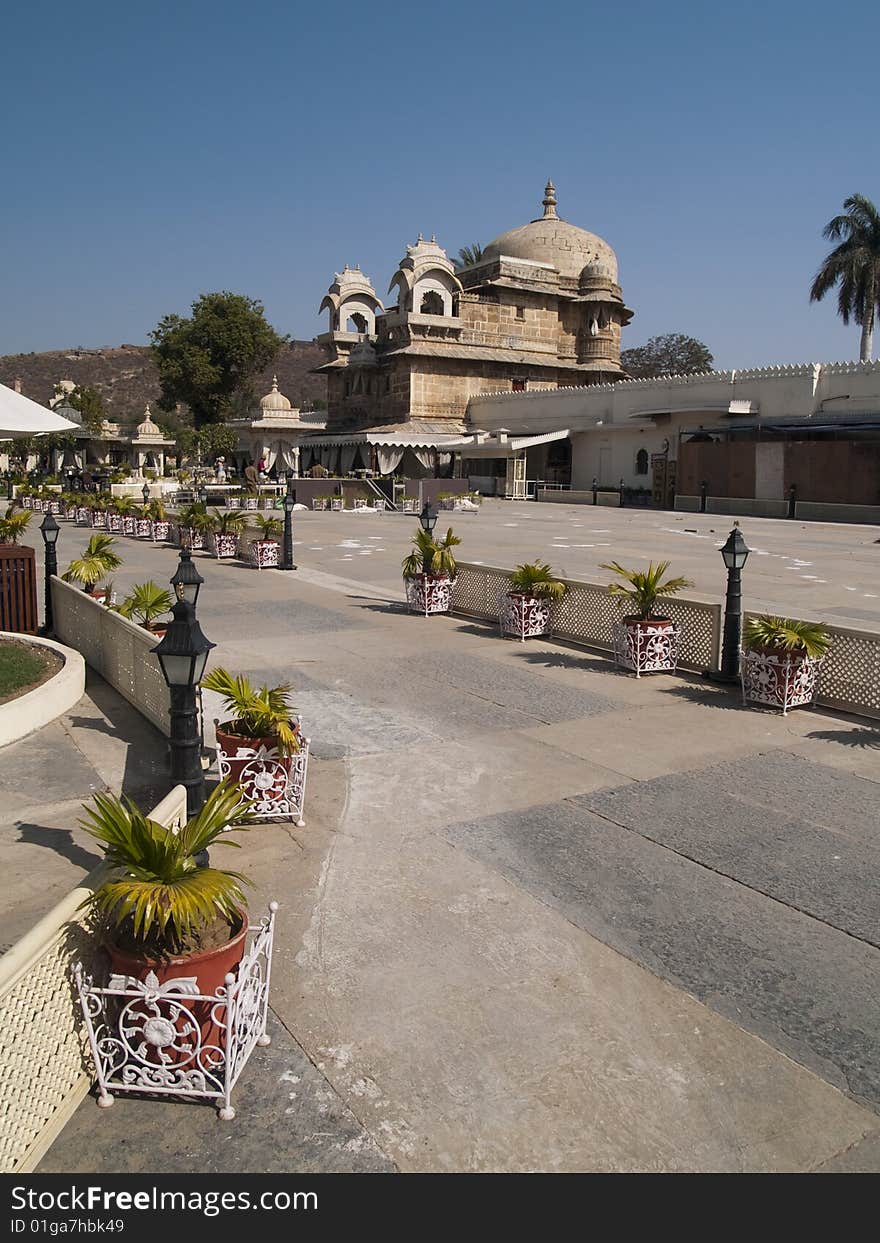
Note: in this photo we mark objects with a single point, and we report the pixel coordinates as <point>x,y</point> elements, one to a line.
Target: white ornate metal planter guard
<point>778,681</point>
<point>191,537</point>
<point>128,524</point>
<point>319,502</point>
<point>646,648</point>
<point>427,595</point>
<point>250,502</point>
<point>148,1037</point>
<point>265,553</point>
<point>527,617</point>
<point>275,784</point>
<point>143,528</point>
<point>337,503</point>
<point>225,546</point>
<point>83,516</point>
<point>98,519</point>
<point>115,523</point>
<point>161,530</point>
<point>409,505</point>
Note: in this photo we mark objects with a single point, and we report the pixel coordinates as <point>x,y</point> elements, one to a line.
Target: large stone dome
<point>551,240</point>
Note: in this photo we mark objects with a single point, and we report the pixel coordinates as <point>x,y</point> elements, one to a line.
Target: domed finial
<point>274,383</point>
<point>550,202</point>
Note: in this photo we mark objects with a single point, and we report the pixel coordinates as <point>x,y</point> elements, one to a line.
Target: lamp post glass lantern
<point>145,492</point>
<point>186,580</point>
<point>428,518</point>
<point>735,553</point>
<point>49,530</point>
<point>182,654</point>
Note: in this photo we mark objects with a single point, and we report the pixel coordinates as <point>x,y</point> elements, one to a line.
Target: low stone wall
<point>809,511</point>
<point>45,1069</point>
<point>114,647</point>
<point>586,613</point>
<point>558,496</point>
<point>816,511</point>
<point>750,507</point>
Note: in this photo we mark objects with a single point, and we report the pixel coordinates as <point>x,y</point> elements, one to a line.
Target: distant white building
<point>750,433</point>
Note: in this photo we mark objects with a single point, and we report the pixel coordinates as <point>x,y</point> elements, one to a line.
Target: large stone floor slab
<point>806,987</point>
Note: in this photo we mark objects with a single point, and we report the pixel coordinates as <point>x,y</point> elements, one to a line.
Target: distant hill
<point>127,378</point>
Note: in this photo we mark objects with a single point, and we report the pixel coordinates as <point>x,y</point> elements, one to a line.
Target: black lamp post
<point>202,493</point>
<point>183,654</point>
<point>187,581</point>
<point>49,529</point>
<point>735,553</point>
<point>289,502</point>
<point>428,518</point>
<point>145,492</point>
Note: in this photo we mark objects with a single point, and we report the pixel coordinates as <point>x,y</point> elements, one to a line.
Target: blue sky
<point>156,152</point>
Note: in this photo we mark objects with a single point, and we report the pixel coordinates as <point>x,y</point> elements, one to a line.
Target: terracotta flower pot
<point>524,615</point>
<point>171,1035</point>
<point>274,781</point>
<point>265,553</point>
<point>429,593</point>
<point>647,644</point>
<point>225,546</point>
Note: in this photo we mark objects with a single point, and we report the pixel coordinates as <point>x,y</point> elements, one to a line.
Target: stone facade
<point>541,308</point>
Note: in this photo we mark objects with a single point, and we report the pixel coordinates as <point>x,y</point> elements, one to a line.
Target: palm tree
<point>469,256</point>
<point>854,265</point>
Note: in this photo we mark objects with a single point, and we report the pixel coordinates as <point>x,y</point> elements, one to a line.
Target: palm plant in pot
<point>14,525</point>
<point>525,607</point>
<point>125,507</point>
<point>429,572</point>
<point>160,525</point>
<point>145,604</point>
<point>98,513</point>
<point>646,640</point>
<point>97,560</point>
<point>267,546</point>
<point>782,658</point>
<point>225,526</point>
<point>193,523</point>
<point>114,517</point>
<point>260,745</point>
<point>163,917</point>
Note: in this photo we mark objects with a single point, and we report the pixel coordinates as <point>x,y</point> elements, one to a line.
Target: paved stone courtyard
<point>542,916</point>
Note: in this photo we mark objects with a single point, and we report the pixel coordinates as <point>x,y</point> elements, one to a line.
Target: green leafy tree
<point>854,266</point>
<point>671,354</point>
<point>208,359</point>
<point>468,256</point>
<point>89,402</point>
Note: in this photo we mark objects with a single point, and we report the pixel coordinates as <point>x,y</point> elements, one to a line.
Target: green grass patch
<point>20,666</point>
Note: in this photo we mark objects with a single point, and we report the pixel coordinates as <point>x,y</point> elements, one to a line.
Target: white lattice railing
<point>44,1071</point>
<point>850,677</point>
<point>586,614</point>
<point>115,647</point>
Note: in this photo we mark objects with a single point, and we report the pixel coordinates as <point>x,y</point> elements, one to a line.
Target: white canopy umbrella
<point>19,416</point>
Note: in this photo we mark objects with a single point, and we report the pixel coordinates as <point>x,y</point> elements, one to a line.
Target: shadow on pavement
<point>59,840</point>
<point>860,736</point>
<point>709,697</point>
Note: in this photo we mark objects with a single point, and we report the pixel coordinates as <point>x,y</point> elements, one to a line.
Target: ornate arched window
<point>642,462</point>
<point>432,303</point>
